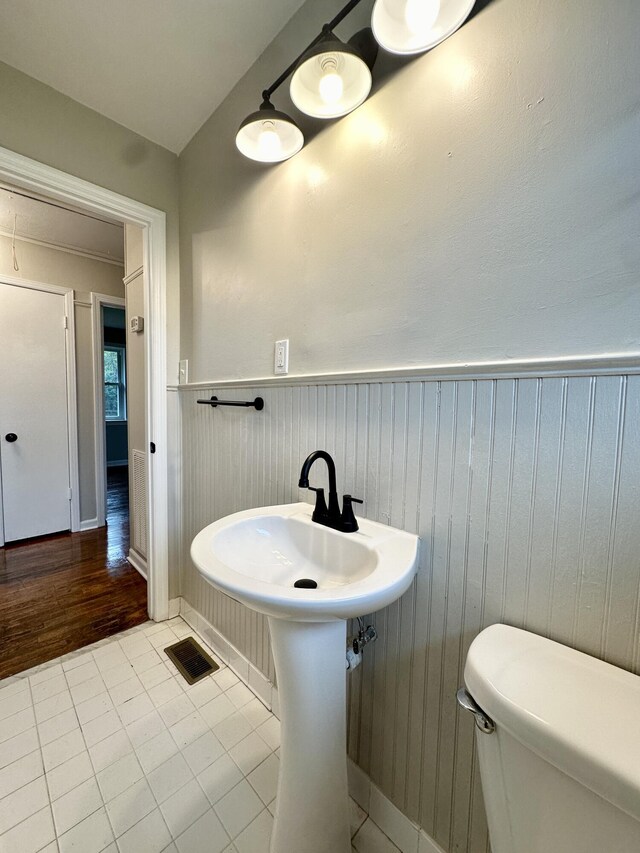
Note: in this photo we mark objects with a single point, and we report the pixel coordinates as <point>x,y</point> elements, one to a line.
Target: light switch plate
<point>183,371</point>
<point>281,359</point>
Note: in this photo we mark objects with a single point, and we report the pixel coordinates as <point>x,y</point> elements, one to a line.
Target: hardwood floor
<point>58,593</point>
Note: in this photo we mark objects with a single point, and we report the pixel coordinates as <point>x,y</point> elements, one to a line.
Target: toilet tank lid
<point>578,713</point>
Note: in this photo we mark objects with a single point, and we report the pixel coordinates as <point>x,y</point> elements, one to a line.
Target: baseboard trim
<point>426,844</point>
<point>138,562</point>
<point>404,833</point>
<point>235,660</point>
<point>89,524</point>
<point>174,608</point>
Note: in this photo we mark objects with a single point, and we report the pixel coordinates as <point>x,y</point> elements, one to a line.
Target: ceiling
<point>46,222</point>
<point>158,67</point>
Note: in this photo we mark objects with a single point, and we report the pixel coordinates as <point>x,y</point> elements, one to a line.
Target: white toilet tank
<point>561,771</point>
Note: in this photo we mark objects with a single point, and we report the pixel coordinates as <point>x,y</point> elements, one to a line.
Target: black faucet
<point>329,515</point>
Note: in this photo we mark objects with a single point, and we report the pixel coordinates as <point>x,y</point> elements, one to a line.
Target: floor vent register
<point>191,660</point>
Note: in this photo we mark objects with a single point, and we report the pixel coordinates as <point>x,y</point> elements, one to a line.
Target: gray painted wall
<point>117,445</point>
<point>136,377</point>
<point>53,129</point>
<point>478,207</point>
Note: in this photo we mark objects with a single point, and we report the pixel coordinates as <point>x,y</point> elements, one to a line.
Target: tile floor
<point>109,749</point>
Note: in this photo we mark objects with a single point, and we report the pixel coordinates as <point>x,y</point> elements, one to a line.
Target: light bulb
<point>421,15</point>
<point>269,142</point>
<point>331,87</point>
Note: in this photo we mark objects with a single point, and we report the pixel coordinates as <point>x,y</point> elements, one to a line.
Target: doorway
<point>62,584</point>
<point>30,175</point>
<point>115,410</point>
<point>110,394</point>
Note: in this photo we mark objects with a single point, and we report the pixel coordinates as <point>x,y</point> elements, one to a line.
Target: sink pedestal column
<point>312,810</point>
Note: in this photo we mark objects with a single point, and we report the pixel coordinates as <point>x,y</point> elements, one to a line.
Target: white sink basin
<point>257,555</point>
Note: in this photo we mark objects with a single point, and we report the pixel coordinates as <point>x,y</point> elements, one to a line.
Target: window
<point>115,398</point>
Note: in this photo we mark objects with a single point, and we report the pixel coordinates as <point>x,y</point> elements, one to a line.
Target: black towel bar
<point>258,403</point>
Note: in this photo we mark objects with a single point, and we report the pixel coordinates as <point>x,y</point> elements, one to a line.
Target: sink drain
<point>305,583</point>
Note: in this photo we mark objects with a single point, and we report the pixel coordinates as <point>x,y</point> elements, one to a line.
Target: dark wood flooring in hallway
<point>59,593</point>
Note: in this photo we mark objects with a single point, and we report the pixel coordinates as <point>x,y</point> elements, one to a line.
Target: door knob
<point>11,436</point>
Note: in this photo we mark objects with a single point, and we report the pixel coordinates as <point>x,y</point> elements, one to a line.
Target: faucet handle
<point>348,521</point>
<point>320,512</point>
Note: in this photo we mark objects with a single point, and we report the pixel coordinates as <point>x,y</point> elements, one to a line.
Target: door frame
<point>98,300</point>
<point>74,191</point>
<point>72,397</point>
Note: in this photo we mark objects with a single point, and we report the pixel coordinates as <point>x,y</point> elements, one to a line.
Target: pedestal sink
<point>256,557</point>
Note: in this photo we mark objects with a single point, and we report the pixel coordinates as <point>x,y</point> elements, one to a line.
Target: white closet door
<point>34,442</point>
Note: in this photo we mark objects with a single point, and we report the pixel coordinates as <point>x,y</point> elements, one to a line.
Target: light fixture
<point>332,77</point>
<point>413,26</point>
<point>268,135</point>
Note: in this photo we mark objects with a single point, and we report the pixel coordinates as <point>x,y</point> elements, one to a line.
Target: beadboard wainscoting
<point>525,493</point>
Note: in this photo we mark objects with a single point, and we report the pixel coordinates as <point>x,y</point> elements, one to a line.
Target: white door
<point>34,438</point>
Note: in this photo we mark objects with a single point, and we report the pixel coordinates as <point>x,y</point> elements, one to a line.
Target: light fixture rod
<point>333,23</point>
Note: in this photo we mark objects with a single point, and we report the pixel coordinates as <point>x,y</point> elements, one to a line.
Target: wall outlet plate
<point>136,324</point>
<point>281,358</point>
